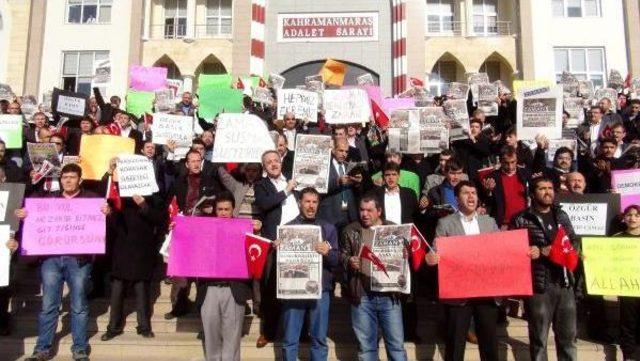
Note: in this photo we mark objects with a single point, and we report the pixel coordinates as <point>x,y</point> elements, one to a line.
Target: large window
<point>576,8</point>
<point>584,63</point>
<point>77,69</point>
<point>440,16</point>
<point>485,17</point>
<point>442,74</point>
<point>219,15</point>
<point>175,19</point>
<point>89,11</point>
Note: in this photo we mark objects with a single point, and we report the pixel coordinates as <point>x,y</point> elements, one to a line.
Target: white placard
<point>241,138</point>
<point>540,112</point>
<point>167,127</point>
<point>346,106</point>
<point>136,176</point>
<point>4,201</point>
<point>5,255</point>
<point>302,103</point>
<point>587,218</point>
<point>71,105</point>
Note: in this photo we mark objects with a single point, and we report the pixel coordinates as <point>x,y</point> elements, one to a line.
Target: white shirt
<point>470,227</point>
<point>291,138</point>
<point>595,131</point>
<point>340,168</point>
<point>392,206</point>
<point>618,152</point>
<point>125,132</point>
<point>289,206</point>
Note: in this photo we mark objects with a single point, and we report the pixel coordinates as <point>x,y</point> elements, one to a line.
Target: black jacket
<point>209,186</point>
<point>330,208</point>
<point>269,201</point>
<point>408,202</point>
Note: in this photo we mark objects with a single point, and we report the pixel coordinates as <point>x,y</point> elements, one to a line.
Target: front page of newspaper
<point>299,266</point>
<point>390,245</point>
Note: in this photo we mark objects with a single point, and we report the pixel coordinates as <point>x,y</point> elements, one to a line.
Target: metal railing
<point>464,28</point>
<point>179,31</point>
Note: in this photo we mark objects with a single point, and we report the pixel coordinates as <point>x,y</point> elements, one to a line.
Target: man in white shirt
<point>289,130</point>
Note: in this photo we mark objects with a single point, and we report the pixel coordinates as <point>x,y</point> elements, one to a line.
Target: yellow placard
<point>333,72</point>
<point>612,265</point>
<point>97,150</point>
<point>523,84</point>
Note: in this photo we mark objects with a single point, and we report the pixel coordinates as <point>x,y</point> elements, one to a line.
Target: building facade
<point>57,43</point>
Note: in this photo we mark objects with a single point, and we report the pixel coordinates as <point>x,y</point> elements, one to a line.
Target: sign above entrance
<point>328,27</point>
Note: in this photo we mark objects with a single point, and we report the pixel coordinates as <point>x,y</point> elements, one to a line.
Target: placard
<point>487,99</point>
<point>167,127</point>
<point>235,143</point>
<point>302,103</point>
<point>346,106</point>
<point>612,265</point>
<point>97,150</point>
<point>147,79</point>
<point>214,101</point>
<point>299,266</point>
<point>139,103</point>
<point>68,103</point>
<point>11,195</point>
<point>5,255</point>
<point>11,130</point>
<point>626,182</point>
<point>540,112</point>
<point>311,162</point>
<point>41,152</point>
<point>592,214</point>
<point>528,84</point>
<point>328,27</point>
<point>217,253</point>
<point>500,267</point>
<point>61,226</point>
<point>136,176</point>
<point>575,108</point>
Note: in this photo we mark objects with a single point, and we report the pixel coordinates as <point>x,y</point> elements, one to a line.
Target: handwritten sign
<point>217,253</point>
<point>172,127</point>
<point>485,265</point>
<point>11,130</point>
<point>136,176</point>
<point>59,226</point>
<point>346,106</point>
<point>302,103</point>
<point>234,143</point>
<point>97,150</point>
<point>612,265</point>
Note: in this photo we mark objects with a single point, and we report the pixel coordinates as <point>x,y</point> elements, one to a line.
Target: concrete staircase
<point>176,339</point>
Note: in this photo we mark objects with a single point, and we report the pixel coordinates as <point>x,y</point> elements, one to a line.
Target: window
<point>576,8</point>
<point>440,16</point>
<point>219,14</point>
<point>77,69</point>
<point>485,17</point>
<point>175,19</point>
<point>89,11</point>
<point>492,68</point>
<point>584,63</point>
<point>442,74</point>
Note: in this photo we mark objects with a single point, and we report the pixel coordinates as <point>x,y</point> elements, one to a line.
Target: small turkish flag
<point>239,84</point>
<point>114,128</point>
<point>418,247</point>
<point>173,209</point>
<point>257,249</point>
<point>262,83</point>
<point>113,194</point>
<point>562,251</point>
<point>366,253</point>
<point>415,82</point>
<point>379,116</point>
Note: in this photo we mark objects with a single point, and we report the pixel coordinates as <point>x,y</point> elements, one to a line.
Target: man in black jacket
<point>399,204</point>
<point>553,300</point>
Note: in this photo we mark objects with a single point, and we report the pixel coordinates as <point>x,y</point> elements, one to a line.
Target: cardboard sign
<point>626,183</point>
<point>612,265</point>
<point>147,79</point>
<point>139,103</point>
<point>5,255</point>
<point>220,81</point>
<point>540,112</point>
<point>97,150</point>
<point>136,176</point>
<point>11,195</point>
<point>213,101</point>
<point>485,265</point>
<point>527,84</point>
<point>346,106</point>
<point>11,130</point>
<point>68,103</point>
<point>302,103</point>
<point>60,226</point>
<point>167,127</point>
<point>235,143</point>
<point>591,214</point>
<point>217,253</point>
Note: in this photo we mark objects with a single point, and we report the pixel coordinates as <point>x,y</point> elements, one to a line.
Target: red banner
<point>485,265</point>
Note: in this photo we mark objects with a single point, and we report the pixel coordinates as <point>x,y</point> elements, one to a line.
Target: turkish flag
<point>262,83</point>
<point>44,171</point>
<point>148,118</point>
<point>173,209</point>
<point>562,251</point>
<point>366,253</point>
<point>418,247</point>
<point>239,84</point>
<point>257,249</point>
<point>415,82</point>
<point>379,116</point>
<point>113,194</point>
<point>114,128</point>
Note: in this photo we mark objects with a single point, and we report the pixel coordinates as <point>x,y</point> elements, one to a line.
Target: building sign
<point>328,27</point>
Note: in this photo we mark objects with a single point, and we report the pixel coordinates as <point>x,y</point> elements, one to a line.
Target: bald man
<point>576,183</point>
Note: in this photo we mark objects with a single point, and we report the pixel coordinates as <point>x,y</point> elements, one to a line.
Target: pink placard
<point>627,200</point>
<point>209,247</point>
<point>144,78</point>
<point>60,226</point>
<point>391,104</point>
<point>375,93</point>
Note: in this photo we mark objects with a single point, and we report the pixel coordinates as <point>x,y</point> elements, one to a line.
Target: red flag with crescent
<point>562,251</point>
<point>257,249</point>
<point>418,247</point>
<point>367,253</point>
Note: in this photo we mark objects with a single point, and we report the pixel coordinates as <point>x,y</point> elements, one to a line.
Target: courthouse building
<point>57,42</point>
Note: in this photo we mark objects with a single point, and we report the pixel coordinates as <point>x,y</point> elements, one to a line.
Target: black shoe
<point>80,356</point>
<point>173,314</point>
<point>110,335</point>
<point>146,333</point>
<point>39,356</point>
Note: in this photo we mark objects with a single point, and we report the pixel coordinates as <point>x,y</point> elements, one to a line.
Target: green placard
<point>139,103</point>
<point>215,100</point>
<point>11,130</point>
<point>206,81</point>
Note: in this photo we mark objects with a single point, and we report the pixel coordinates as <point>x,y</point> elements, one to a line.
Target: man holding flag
<point>554,261</point>
<point>370,310</point>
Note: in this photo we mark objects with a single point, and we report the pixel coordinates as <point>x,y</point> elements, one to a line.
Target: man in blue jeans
<point>55,270</point>
<point>370,310</point>
<point>294,311</point>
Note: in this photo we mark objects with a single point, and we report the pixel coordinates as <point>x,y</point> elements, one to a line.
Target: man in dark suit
<point>338,206</point>
<point>277,204</point>
<point>399,204</point>
<point>124,120</point>
<point>286,156</point>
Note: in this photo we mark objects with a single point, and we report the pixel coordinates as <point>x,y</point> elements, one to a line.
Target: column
<point>526,58</point>
<point>632,23</point>
<point>191,19</point>
<point>187,83</point>
<point>146,28</point>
